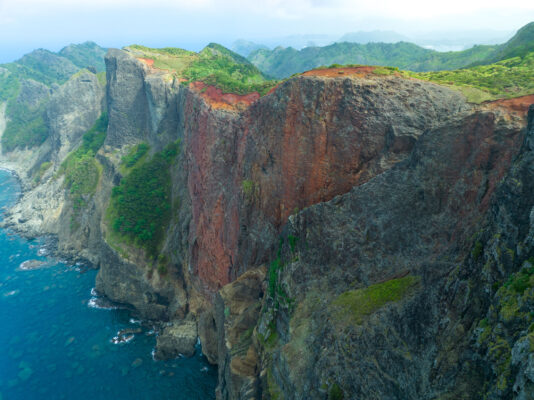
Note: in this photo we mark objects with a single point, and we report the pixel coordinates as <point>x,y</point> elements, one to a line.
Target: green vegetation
<point>214,65</point>
<point>134,155</point>
<point>284,62</point>
<point>140,206</point>
<point>85,55</point>
<point>385,70</point>
<point>80,168</point>
<point>276,290</point>
<point>9,85</point>
<point>41,171</point>
<point>477,250</point>
<point>506,323</point>
<point>518,46</point>
<point>522,280</point>
<point>504,79</point>
<point>335,392</point>
<point>26,124</point>
<point>274,390</point>
<point>275,267</point>
<point>101,76</point>
<point>249,188</point>
<point>25,128</point>
<point>358,304</point>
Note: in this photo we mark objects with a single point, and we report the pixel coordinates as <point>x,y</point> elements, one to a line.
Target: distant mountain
<point>285,61</point>
<point>364,37</point>
<point>245,47</point>
<point>84,55</point>
<point>518,46</point>
<point>27,85</point>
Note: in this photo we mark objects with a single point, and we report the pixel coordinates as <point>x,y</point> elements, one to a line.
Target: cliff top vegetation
<point>215,65</point>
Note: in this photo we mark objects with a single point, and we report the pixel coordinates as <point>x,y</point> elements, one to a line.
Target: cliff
<point>348,234</point>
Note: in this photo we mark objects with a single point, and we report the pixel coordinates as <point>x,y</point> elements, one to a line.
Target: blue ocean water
<point>54,345</point>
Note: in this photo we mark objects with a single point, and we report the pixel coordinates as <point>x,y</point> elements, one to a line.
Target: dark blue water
<point>53,345</point>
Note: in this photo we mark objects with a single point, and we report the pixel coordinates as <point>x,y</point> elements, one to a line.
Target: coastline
<point>50,239</point>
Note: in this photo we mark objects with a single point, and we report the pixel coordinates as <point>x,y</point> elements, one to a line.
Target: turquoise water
<point>55,345</point>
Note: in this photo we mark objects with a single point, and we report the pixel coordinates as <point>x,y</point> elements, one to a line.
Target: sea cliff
<point>347,234</point>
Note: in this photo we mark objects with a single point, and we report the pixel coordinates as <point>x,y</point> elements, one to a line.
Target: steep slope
<point>371,289</point>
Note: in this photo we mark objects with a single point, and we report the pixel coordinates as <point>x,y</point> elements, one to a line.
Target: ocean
<point>57,335</point>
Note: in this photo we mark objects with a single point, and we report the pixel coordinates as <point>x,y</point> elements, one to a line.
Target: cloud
<point>284,9</point>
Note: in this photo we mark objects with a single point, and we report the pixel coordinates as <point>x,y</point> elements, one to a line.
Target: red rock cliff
<point>311,139</point>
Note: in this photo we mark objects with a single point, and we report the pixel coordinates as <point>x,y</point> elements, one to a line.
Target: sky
<point>29,24</point>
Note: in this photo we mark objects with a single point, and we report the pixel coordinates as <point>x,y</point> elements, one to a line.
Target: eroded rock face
<point>237,309</point>
<point>175,340</point>
<point>422,219</point>
<point>310,140</point>
<point>72,111</point>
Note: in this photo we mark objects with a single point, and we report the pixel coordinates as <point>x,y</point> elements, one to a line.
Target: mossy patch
<point>359,303</point>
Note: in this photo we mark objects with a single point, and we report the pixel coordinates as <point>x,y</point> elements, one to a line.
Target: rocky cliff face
<point>70,111</point>
<point>352,235</point>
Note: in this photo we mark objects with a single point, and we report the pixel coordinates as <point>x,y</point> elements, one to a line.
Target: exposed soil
<point>337,72</point>
<point>147,61</point>
<point>518,104</point>
<point>228,101</point>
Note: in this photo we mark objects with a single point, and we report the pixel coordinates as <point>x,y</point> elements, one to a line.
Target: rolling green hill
<point>283,62</point>
<point>504,79</point>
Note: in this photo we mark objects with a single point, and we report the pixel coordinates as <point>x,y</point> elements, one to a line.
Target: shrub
<point>477,250</point>
<point>135,154</point>
<point>80,168</point>
<point>335,392</point>
<point>25,127</point>
<point>140,206</point>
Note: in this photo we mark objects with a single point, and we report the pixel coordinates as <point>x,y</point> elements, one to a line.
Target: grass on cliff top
<point>509,78</point>
<point>360,303</point>
<point>80,168</point>
<point>504,79</point>
<point>140,207</point>
<point>214,65</point>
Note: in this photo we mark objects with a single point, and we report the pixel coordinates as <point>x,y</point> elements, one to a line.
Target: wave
<point>100,302</point>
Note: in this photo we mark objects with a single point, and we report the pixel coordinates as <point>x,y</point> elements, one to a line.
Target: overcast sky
<point>52,24</point>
